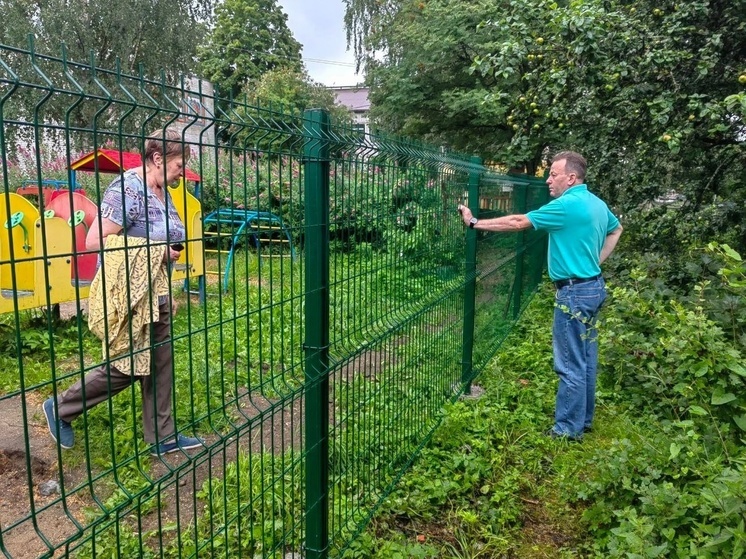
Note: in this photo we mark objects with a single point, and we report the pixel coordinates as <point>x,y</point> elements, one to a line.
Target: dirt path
<point>34,524</point>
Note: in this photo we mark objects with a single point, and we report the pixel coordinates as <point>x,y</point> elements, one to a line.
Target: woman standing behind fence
<point>130,306</point>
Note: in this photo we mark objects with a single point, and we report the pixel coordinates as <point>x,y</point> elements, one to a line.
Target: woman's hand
<point>175,250</point>
<point>171,254</point>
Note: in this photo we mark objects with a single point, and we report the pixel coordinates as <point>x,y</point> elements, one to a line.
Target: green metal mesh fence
<point>509,267</point>
<point>330,302</point>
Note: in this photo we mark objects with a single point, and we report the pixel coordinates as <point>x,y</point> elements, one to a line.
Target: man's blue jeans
<point>576,355</point>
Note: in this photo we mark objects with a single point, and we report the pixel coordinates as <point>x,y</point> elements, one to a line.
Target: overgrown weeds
<point>662,473</point>
<point>485,486</point>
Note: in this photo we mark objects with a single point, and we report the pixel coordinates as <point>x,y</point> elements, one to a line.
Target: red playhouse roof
<point>112,161</point>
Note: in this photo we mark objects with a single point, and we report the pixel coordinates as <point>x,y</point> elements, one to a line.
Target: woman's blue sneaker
<point>180,443</point>
<point>65,430</point>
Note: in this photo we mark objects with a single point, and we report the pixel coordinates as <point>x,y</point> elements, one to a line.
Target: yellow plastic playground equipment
<point>43,259</point>
<point>35,254</point>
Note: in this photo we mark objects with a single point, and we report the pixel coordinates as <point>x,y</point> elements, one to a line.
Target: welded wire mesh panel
<point>509,265</point>
<point>534,242</point>
<point>72,135</point>
<point>396,305</point>
<point>157,399</point>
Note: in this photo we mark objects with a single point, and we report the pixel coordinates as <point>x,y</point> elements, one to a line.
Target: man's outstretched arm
<point>506,223</point>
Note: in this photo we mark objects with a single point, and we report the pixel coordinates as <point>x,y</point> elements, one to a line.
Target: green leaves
<point>675,449</point>
<point>740,420</point>
<point>677,362</point>
<point>730,253</point>
<point>719,398</point>
<point>249,38</point>
<point>646,89</point>
<point>698,410</point>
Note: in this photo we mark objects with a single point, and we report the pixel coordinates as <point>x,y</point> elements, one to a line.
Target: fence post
<point>519,207</point>
<point>316,347</point>
<point>470,288</point>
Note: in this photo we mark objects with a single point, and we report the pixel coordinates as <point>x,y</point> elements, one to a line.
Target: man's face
<point>559,180</point>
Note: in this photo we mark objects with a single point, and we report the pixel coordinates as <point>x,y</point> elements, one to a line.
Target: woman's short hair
<point>167,142</point>
<point>574,163</point>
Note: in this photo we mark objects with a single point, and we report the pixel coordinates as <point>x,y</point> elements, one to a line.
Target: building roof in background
<point>354,98</point>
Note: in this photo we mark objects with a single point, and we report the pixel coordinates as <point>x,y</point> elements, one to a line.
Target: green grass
<point>661,475</point>
<point>249,341</point>
<point>491,484</point>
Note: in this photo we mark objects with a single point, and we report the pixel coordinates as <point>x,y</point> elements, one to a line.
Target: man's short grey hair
<point>574,163</point>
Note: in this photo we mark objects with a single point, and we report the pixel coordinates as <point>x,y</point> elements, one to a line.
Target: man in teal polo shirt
<point>582,234</point>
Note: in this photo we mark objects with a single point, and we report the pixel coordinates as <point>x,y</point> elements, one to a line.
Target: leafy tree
<point>289,90</point>
<point>423,65</point>
<point>423,85</point>
<point>153,35</point>
<point>250,37</point>
<point>268,116</point>
<point>17,16</point>
<point>157,34</point>
<point>651,91</point>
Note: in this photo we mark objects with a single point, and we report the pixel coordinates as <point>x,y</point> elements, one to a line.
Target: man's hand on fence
<point>466,214</point>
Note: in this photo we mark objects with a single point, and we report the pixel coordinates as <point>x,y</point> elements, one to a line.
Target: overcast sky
<point>319,26</point>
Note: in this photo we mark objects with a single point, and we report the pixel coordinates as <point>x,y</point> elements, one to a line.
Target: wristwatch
<point>472,222</point>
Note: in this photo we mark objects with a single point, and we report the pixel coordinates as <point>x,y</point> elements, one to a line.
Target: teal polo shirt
<point>578,223</point>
